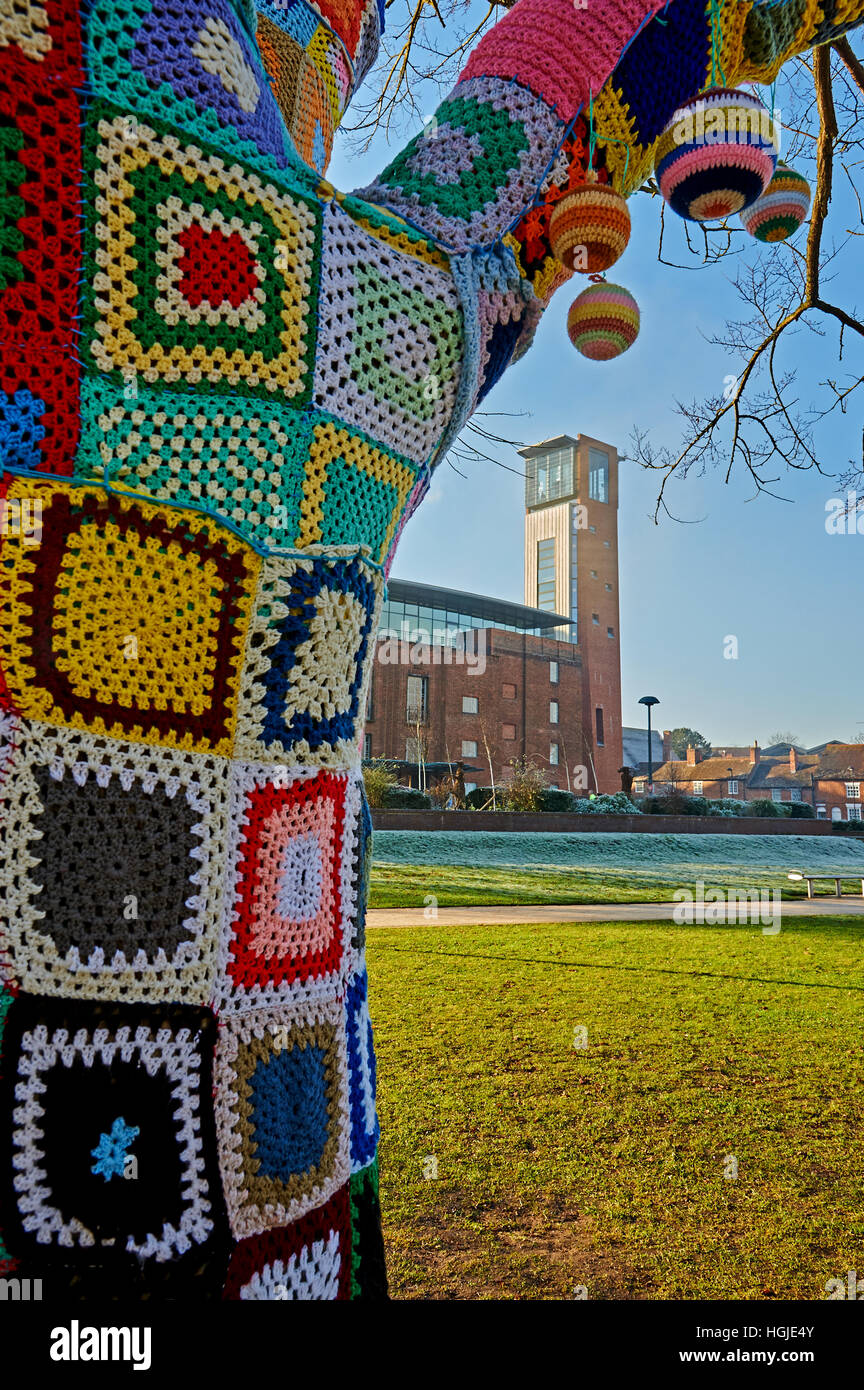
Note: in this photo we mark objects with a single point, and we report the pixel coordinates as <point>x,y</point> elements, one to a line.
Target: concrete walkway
<point>582,912</point>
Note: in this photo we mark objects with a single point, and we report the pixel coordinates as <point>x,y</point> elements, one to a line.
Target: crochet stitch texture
<point>224,387</point>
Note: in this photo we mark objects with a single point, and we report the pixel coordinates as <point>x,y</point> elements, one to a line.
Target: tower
<point>571,567</point>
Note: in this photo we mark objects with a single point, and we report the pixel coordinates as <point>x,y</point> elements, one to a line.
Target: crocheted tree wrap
<point>223,389</point>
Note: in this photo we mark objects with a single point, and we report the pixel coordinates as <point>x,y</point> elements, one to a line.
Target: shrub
<point>608,804</point>
<point>398,798</point>
<point>554,799</point>
<point>525,790</point>
<point>448,790</point>
<point>849,827</point>
<point>727,806</point>
<point>800,810</point>
<point>378,778</point>
<point>763,807</point>
<point>478,799</point>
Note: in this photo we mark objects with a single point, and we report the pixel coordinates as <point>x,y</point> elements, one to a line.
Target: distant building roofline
<point>559,442</point>
<point>496,610</point>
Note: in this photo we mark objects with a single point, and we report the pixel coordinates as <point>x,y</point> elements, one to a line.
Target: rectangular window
<point>553,711</point>
<point>470,704</point>
<point>608,588</point>
<point>413,750</point>
<point>777,795</point>
<point>469,748</point>
<point>795,794</point>
<point>546,575</point>
<point>549,477</point>
<point>595,618</point>
<point>697,788</point>
<point>553,754</point>
<point>598,475</point>
<point>508,732</point>
<point>853,791</point>
<point>553,672</point>
<point>370,708</point>
<point>415,702</point>
<point>598,726</point>
<point>733,787</point>
<point>508,692</point>
<point>821,812</point>
<point>594,574</point>
<point>853,812</point>
<point>610,632</point>
<point>367,746</point>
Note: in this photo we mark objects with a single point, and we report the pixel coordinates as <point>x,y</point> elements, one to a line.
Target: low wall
<point>567,823</point>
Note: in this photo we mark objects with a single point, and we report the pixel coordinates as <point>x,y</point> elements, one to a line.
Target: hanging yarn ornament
<point>782,207</point>
<point>603,321</point>
<point>717,155</point>
<point>590,227</point>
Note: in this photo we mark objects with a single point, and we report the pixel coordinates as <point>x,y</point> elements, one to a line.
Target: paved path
<point>583,912</point>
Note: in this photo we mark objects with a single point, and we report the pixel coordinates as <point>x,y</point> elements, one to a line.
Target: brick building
<point>829,778</point>
<point>458,674</point>
<point>550,685</point>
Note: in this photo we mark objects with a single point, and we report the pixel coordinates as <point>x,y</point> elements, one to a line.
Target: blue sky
<point>754,567</point>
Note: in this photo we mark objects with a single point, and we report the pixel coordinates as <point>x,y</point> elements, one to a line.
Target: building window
<point>697,788</point>
<point>593,530</point>
<point>610,632</point>
<point>777,795</point>
<point>733,787</point>
<point>594,574</point>
<point>508,732</point>
<point>470,704</point>
<point>595,618</point>
<point>469,748</point>
<point>470,787</point>
<point>608,545</point>
<point>608,588</point>
<point>821,812</point>
<point>415,702</point>
<point>853,791</point>
<point>553,754</point>
<point>553,672</point>
<point>598,475</point>
<point>413,750</point>
<point>853,812</point>
<point>549,476</point>
<point>508,692</point>
<point>546,574</point>
<point>367,746</point>
<point>370,709</point>
<point>795,794</point>
<point>553,711</point>
<point>598,727</point>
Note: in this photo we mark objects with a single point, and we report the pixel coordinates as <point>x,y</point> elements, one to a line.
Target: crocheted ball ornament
<point>781,209</point>
<point>717,155</point>
<point>590,228</point>
<point>603,321</point>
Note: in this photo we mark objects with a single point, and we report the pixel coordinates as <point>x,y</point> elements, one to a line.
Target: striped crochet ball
<point>589,228</point>
<point>603,322</point>
<point>716,155</point>
<point>781,209</point>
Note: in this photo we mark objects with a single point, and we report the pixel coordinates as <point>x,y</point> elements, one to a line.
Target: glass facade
<point>598,475</point>
<point>549,477</point>
<point>412,622</point>
<point>546,575</point>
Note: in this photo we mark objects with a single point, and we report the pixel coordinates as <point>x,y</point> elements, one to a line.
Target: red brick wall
<point>646,825</point>
<point>520,662</point>
<point>597,551</point>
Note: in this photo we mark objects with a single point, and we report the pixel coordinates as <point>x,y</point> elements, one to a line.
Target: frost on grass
<point>536,850</point>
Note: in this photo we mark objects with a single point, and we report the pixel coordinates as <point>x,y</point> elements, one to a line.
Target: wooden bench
<point>810,879</point>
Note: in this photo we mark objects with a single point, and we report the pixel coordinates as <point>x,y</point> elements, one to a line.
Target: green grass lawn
<point>407,885</point>
<point>603,1166</point>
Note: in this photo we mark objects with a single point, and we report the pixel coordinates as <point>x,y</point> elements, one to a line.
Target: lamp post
<point>650,700</point>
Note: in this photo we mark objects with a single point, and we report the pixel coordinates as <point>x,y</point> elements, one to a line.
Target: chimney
<point>793,759</point>
<point>754,753</point>
<point>694,756</point>
<point>667,748</point>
